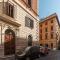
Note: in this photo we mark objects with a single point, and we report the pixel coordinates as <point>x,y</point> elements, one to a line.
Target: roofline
<point>49,17</point>
<point>26,10</point>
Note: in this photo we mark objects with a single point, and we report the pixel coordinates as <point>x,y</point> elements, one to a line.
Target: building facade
<point>19,25</point>
<point>49,31</point>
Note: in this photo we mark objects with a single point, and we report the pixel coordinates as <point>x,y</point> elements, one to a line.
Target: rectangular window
<point>40,30</point>
<point>46,23</point>
<point>52,45</point>
<point>41,25</point>
<point>51,28</point>
<point>46,29</point>
<point>9,9</point>
<point>29,22</point>
<point>40,36</point>
<point>51,35</point>
<point>46,36</point>
<point>29,3</point>
<point>51,21</point>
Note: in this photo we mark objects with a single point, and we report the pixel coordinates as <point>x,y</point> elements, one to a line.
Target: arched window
<point>29,40</point>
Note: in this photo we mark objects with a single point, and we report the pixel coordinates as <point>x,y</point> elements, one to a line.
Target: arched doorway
<point>9,42</point>
<point>29,40</point>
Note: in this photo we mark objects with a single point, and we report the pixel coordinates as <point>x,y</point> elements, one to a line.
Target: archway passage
<point>29,40</point>
<point>9,42</point>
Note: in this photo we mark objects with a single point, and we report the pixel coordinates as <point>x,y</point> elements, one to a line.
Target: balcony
<point>7,13</point>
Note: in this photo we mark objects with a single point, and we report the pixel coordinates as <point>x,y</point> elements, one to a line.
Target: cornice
<point>9,20</point>
<point>25,9</point>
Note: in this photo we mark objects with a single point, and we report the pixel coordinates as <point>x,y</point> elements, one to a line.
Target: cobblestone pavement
<point>54,55</point>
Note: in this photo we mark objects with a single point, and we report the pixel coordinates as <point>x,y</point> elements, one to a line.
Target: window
<point>40,30</point>
<point>46,30</point>
<point>40,36</point>
<point>29,22</point>
<point>9,10</point>
<point>52,45</point>
<point>29,3</point>
<point>41,25</point>
<point>51,28</point>
<point>45,23</point>
<point>51,21</point>
<point>51,35</point>
<point>46,36</point>
<point>41,44</point>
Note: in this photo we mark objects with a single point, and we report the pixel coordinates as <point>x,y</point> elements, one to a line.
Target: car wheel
<point>27,58</point>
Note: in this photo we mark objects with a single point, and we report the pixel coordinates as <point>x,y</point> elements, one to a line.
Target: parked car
<point>44,50</point>
<point>30,53</point>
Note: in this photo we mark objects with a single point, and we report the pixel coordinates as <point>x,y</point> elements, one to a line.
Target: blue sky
<point>48,7</point>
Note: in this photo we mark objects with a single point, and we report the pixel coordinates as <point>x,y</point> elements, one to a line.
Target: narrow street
<point>54,55</point>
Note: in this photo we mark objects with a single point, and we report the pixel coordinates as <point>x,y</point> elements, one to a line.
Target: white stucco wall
<point>19,15</point>
<point>23,30</point>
